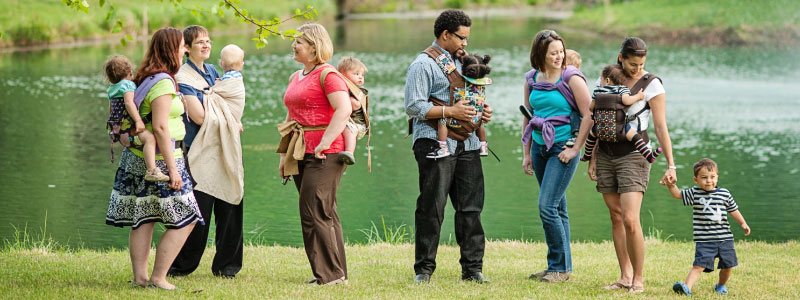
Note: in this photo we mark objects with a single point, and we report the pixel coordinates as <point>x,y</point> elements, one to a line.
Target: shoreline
<point>778,36</point>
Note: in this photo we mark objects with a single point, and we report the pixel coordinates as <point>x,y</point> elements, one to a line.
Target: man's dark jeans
<point>460,176</point>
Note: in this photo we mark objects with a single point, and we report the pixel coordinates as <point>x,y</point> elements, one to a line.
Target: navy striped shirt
<point>710,218</point>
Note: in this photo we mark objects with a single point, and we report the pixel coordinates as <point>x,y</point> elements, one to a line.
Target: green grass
<point>384,271</point>
<point>41,21</point>
<point>687,14</point>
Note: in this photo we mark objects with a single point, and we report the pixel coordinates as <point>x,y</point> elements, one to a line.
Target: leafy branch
<point>264,28</point>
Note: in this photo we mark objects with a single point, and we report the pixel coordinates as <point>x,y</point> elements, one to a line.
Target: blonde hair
<point>573,58</point>
<point>231,57</point>
<point>316,35</point>
<point>349,63</point>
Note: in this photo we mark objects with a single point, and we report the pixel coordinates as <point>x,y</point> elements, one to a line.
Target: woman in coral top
<point>311,139</point>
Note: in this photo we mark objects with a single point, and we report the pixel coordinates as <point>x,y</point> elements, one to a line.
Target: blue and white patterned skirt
<point>135,201</point>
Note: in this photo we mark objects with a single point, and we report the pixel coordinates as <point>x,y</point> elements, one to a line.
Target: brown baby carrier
<point>360,95</point>
<point>459,130</point>
<point>610,119</point>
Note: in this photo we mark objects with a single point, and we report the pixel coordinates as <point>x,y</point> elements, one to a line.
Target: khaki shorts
<point>621,174</point>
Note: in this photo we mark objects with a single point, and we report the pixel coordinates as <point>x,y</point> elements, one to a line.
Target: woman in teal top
<point>139,203</point>
<point>546,154</point>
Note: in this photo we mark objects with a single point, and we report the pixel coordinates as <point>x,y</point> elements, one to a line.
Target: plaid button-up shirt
<point>423,80</point>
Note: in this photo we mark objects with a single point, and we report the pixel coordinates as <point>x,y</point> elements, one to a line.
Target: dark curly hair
<point>474,66</point>
<point>450,20</point>
<point>117,68</point>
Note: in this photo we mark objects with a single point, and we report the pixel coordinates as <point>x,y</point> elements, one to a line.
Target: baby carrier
<point>115,123</point>
<point>361,116</point>
<point>457,129</point>
<point>610,118</point>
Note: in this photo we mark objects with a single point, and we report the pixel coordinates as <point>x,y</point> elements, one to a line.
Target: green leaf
<point>102,2</point>
<point>123,42</point>
<point>118,26</point>
<point>195,12</point>
<point>129,37</point>
<point>221,13</point>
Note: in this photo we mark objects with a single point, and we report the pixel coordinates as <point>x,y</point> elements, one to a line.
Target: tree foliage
<point>264,28</point>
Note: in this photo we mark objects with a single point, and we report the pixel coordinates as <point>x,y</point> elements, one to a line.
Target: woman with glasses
<point>554,91</point>
<point>228,212</point>
<point>622,173</point>
<point>310,143</point>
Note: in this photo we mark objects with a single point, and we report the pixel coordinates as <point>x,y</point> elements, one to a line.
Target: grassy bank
<point>714,22</point>
<point>33,22</point>
<point>384,271</point>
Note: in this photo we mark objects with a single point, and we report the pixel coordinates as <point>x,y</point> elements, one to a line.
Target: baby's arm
<point>133,111</point>
<point>740,219</point>
<point>629,99</point>
<point>354,102</point>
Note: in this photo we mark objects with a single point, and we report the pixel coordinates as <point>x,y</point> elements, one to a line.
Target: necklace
<point>309,72</point>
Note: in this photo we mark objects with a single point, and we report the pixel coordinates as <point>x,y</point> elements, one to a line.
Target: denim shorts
<point>706,252</point>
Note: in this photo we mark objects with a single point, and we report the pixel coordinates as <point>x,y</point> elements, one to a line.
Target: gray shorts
<point>621,174</point>
<point>706,252</point>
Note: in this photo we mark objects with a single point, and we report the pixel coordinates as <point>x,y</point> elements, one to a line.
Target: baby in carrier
<point>123,115</point>
<point>605,127</point>
<point>353,69</point>
<point>231,59</point>
<point>474,71</point>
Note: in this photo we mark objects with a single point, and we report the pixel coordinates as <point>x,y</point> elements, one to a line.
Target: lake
<point>738,106</point>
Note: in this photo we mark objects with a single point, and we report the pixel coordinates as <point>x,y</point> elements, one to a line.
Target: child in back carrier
<point>353,69</point>
<point>123,112</point>
<point>612,83</point>
<point>474,71</point>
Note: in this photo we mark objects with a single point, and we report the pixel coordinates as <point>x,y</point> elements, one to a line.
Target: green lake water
<point>738,106</point>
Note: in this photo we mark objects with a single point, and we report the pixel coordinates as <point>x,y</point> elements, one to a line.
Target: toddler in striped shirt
<point>712,232</point>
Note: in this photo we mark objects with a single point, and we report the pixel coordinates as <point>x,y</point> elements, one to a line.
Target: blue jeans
<point>554,178</point>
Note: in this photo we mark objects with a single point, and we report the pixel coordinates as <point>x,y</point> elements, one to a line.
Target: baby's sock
<point>442,144</point>
<point>641,146</point>
<point>591,141</point>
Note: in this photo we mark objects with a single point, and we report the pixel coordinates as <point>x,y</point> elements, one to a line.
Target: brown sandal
<point>616,286</point>
<point>636,290</point>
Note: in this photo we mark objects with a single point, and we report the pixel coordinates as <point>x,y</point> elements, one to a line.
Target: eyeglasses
<point>461,37</point>
<point>208,42</point>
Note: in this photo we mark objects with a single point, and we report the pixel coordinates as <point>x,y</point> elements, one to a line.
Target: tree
<point>264,28</point>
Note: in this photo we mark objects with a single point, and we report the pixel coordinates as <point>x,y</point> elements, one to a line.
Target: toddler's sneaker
<point>439,153</point>
<point>484,149</point>
<point>571,141</point>
<point>347,157</point>
<point>720,289</point>
<point>155,175</point>
<point>681,288</point>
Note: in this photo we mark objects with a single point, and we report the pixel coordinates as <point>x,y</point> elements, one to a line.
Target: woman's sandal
<point>616,286</point>
<point>636,290</point>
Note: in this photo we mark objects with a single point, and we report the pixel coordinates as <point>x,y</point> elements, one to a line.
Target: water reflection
<point>728,104</point>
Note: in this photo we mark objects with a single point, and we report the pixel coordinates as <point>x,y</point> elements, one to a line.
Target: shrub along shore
<point>384,271</point>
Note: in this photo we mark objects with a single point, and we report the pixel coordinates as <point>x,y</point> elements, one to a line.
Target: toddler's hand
<point>639,95</point>
<point>140,127</point>
<point>746,229</point>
